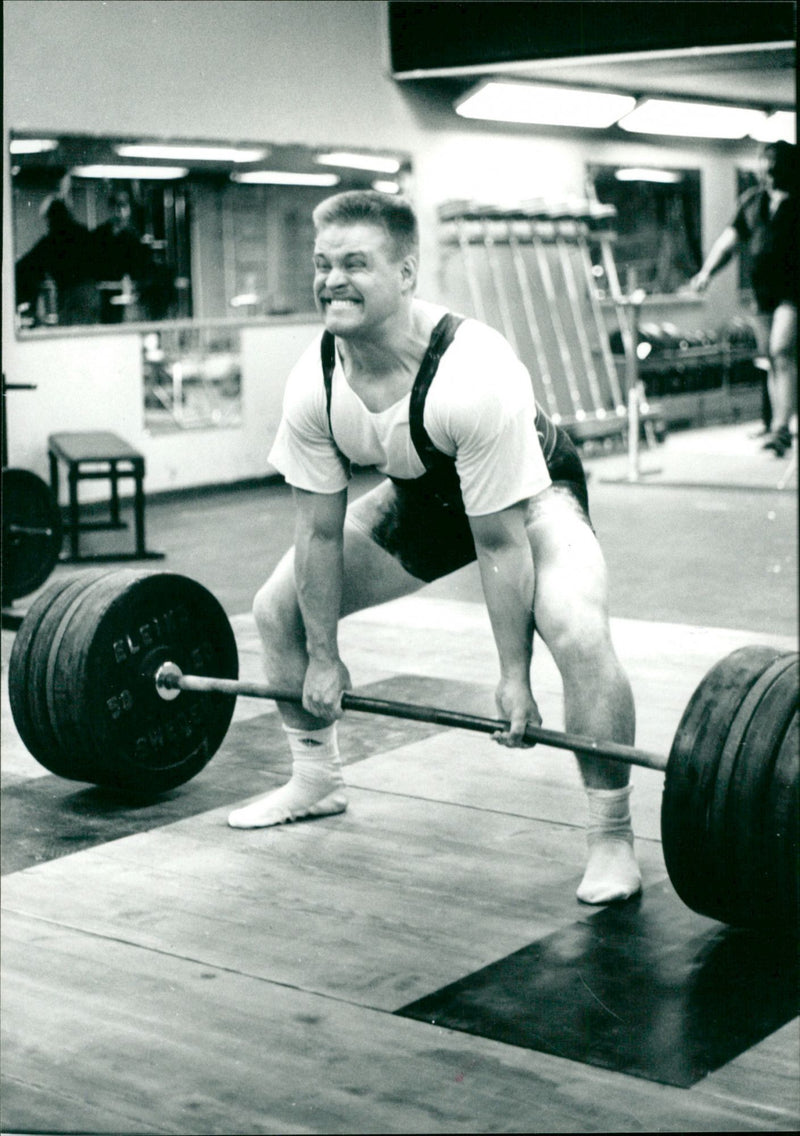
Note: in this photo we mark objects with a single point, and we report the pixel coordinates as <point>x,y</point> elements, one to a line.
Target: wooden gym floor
<point>419,963</point>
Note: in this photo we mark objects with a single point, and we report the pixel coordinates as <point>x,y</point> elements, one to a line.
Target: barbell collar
<point>170,681</point>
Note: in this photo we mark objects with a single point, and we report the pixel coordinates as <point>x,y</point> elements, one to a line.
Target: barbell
<point>128,679</point>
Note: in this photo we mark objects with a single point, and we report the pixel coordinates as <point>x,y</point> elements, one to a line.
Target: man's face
<point>768,168</point>
<point>358,284</point>
<point>122,213</point>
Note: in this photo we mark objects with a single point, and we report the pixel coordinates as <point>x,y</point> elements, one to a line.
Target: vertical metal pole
<point>533,323</point>
<point>632,380</point>
<point>555,316</point>
<point>563,237</point>
<point>500,289</point>
<point>609,365</point>
<point>469,270</point>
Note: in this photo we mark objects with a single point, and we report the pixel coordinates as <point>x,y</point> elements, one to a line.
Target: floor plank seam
<point>503,812</point>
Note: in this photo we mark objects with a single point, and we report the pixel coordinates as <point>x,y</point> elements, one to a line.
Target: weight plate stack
<point>102,686</point>
<point>724,749</point>
<point>32,533</point>
<point>27,671</point>
<point>739,819</point>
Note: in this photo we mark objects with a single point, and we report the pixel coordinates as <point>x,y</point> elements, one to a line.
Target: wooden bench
<point>93,455</point>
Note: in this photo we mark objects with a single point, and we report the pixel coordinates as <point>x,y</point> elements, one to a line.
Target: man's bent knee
<point>276,613</point>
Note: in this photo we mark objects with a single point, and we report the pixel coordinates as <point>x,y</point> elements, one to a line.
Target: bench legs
<point>75,526</point>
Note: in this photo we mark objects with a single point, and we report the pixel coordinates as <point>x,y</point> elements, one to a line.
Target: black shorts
<point>429,534</point>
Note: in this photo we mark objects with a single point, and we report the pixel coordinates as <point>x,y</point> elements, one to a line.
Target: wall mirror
<point>659,240</point>
<point>131,230</point>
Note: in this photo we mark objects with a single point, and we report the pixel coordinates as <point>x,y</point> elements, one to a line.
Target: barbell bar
<point>127,679</point>
<point>170,681</point>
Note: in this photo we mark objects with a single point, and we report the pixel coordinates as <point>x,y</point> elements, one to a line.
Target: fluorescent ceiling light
<point>544,105</point>
<point>777,127</point>
<point>637,173</point>
<point>32,145</point>
<point>131,173</point>
<point>386,186</point>
<point>691,120</point>
<point>191,153</point>
<point>284,177</point>
<point>360,162</point>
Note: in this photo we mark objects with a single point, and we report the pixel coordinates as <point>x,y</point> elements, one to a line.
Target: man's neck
<point>394,348</point>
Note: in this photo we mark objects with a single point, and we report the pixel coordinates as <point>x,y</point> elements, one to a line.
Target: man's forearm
<point>319,574</point>
<point>722,251</point>
<point>507,577</point>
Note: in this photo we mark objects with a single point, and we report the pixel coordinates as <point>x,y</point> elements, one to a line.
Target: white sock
<point>316,787</point>
<point>612,872</point>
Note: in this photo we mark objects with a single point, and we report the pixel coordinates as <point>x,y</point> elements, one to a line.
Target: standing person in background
<point>123,262</point>
<point>767,224</point>
<point>55,280</point>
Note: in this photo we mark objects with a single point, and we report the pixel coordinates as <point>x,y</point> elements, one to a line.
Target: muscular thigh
<point>371,576</point>
<point>571,590</point>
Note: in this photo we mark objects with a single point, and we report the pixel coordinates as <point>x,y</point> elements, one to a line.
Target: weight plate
<point>73,744</point>
<point>736,821</point>
<point>19,665</point>
<point>103,681</point>
<point>32,533</point>
<point>692,769</point>
<point>782,838</point>
<point>44,742</point>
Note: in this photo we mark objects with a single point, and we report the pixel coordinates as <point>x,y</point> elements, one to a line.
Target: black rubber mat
<point>646,988</point>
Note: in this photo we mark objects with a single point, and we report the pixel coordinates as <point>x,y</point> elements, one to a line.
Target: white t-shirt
<point>479,409</point>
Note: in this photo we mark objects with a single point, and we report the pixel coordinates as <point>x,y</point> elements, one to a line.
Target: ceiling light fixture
<point>691,120</point>
<point>284,177</point>
<point>184,153</point>
<point>383,186</point>
<point>541,105</point>
<point>781,126</point>
<point>131,173</point>
<point>32,145</point>
<point>374,162</point>
<point>641,173</point>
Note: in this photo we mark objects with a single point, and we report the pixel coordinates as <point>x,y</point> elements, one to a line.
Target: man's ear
<point>408,271</point>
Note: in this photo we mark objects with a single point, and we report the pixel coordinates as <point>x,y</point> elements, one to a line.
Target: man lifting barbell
<point>127,679</point>
<point>444,408</point>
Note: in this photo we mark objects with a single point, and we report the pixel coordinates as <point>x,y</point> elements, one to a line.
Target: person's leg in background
<point>783,376</point>
<point>762,324</point>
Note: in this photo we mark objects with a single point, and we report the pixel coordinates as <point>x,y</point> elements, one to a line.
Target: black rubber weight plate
<point>104,675</point>
<point>32,533</point>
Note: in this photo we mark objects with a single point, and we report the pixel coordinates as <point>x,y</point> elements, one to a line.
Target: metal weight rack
<point>546,277</point>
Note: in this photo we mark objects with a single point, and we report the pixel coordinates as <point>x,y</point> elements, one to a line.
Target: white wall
<point>308,71</point>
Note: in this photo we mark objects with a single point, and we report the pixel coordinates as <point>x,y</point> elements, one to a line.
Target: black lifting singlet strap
<point>441,338</point>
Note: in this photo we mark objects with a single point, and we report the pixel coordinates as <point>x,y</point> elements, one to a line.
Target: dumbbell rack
<point>534,272</point>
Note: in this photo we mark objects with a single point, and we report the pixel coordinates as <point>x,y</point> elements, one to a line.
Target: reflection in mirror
<point>192,378</point>
<point>659,245</point>
<point>122,230</point>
